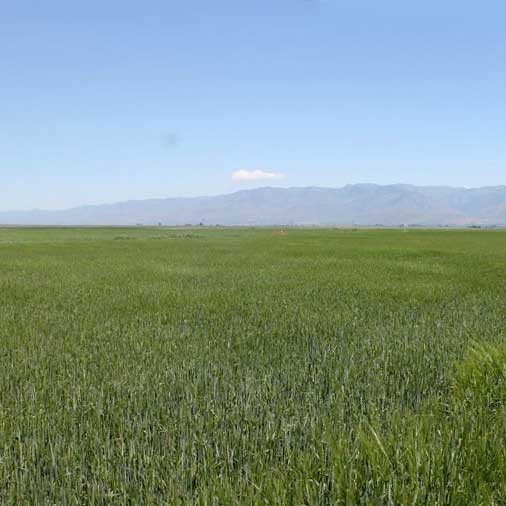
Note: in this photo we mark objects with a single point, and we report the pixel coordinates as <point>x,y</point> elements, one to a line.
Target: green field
<point>252,367</point>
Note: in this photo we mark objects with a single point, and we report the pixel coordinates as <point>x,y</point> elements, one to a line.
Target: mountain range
<point>360,204</point>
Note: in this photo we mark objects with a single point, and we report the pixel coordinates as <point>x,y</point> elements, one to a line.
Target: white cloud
<point>255,175</point>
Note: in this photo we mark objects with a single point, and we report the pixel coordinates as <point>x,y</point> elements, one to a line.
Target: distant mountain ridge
<point>361,204</point>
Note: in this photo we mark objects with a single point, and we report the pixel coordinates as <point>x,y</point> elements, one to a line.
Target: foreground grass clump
<point>252,367</point>
<point>451,450</point>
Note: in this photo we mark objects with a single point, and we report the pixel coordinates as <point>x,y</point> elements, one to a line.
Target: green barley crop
<point>249,367</point>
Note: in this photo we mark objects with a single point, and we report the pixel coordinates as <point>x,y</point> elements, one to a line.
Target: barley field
<point>157,366</point>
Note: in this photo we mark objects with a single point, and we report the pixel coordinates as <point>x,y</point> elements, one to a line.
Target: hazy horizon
<point>250,189</point>
<point>367,204</point>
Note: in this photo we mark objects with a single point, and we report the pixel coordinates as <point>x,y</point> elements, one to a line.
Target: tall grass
<point>245,367</point>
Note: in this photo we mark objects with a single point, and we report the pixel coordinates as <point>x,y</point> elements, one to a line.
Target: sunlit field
<point>252,367</point>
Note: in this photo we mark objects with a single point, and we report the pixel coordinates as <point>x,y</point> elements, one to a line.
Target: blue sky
<point>103,101</point>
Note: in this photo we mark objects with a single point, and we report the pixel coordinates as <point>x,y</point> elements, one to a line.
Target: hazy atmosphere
<point>105,102</point>
<point>252,253</point>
